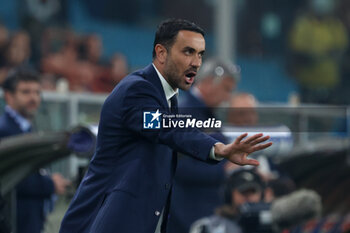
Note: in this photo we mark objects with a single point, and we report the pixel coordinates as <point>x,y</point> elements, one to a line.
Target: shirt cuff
<point>212,154</point>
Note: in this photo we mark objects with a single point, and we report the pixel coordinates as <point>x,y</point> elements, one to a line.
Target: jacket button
<point>167,186</point>
<point>157,213</point>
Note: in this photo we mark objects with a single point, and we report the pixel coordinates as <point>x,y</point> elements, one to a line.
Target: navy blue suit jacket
<point>31,191</point>
<point>197,185</point>
<point>131,173</point>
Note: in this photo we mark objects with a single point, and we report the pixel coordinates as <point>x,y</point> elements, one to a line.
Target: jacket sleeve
<point>142,96</point>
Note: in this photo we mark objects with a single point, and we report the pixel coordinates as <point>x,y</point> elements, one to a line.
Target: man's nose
<point>34,95</point>
<point>196,61</point>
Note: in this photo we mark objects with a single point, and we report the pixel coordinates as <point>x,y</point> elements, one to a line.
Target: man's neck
<point>160,69</point>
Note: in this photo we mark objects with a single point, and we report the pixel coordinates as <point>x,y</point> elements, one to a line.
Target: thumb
<point>252,162</point>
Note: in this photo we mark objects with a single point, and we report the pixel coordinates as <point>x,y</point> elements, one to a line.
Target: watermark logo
<point>158,120</point>
<point>152,120</point>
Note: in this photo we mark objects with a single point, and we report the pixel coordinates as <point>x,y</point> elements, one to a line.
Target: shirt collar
<point>168,90</point>
<point>23,123</point>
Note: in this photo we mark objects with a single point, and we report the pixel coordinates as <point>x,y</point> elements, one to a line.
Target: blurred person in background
<point>16,52</point>
<point>243,186</point>
<point>67,66</point>
<point>91,49</point>
<point>91,63</point>
<point>33,194</point>
<point>63,63</point>
<point>344,91</point>
<point>242,110</point>
<point>119,67</point>
<point>4,38</point>
<point>196,185</point>
<point>78,63</point>
<point>278,187</point>
<point>111,75</point>
<point>243,113</point>
<point>317,42</point>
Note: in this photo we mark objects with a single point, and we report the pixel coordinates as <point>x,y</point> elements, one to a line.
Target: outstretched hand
<point>237,151</point>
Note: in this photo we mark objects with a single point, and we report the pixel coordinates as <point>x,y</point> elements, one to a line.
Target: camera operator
<point>243,186</point>
<point>247,211</point>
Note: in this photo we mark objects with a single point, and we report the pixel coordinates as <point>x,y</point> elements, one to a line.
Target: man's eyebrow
<point>188,48</point>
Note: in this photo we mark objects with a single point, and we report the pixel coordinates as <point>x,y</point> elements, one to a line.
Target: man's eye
<point>25,91</point>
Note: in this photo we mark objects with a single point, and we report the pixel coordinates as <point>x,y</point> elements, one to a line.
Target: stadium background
<point>256,34</point>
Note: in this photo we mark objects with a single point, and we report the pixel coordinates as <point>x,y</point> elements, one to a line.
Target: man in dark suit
<point>22,96</point>
<point>196,190</point>
<point>128,184</point>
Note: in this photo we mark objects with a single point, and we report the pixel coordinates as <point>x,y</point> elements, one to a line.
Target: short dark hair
<point>168,30</point>
<point>19,75</point>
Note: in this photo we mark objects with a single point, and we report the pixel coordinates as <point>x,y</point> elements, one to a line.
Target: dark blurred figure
<point>266,22</point>
<point>317,42</point>
<point>33,194</point>
<point>343,95</point>
<point>4,37</point>
<point>243,186</point>
<point>91,49</point>
<point>196,185</point>
<point>37,16</point>
<point>278,187</point>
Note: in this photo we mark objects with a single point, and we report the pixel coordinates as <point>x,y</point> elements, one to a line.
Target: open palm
<point>238,150</point>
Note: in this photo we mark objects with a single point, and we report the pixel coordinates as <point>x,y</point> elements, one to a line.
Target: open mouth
<point>190,77</point>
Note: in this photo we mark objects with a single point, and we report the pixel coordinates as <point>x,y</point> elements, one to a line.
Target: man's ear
<point>161,53</point>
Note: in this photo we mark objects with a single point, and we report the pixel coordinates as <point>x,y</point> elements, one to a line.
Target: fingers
<point>253,138</point>
<point>261,146</point>
<point>252,162</point>
<point>240,137</point>
<point>259,140</point>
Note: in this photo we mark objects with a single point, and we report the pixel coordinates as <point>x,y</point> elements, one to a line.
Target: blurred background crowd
<point>88,47</point>
<point>291,75</point>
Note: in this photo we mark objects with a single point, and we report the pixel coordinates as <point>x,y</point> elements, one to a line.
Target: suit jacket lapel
<point>151,75</point>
